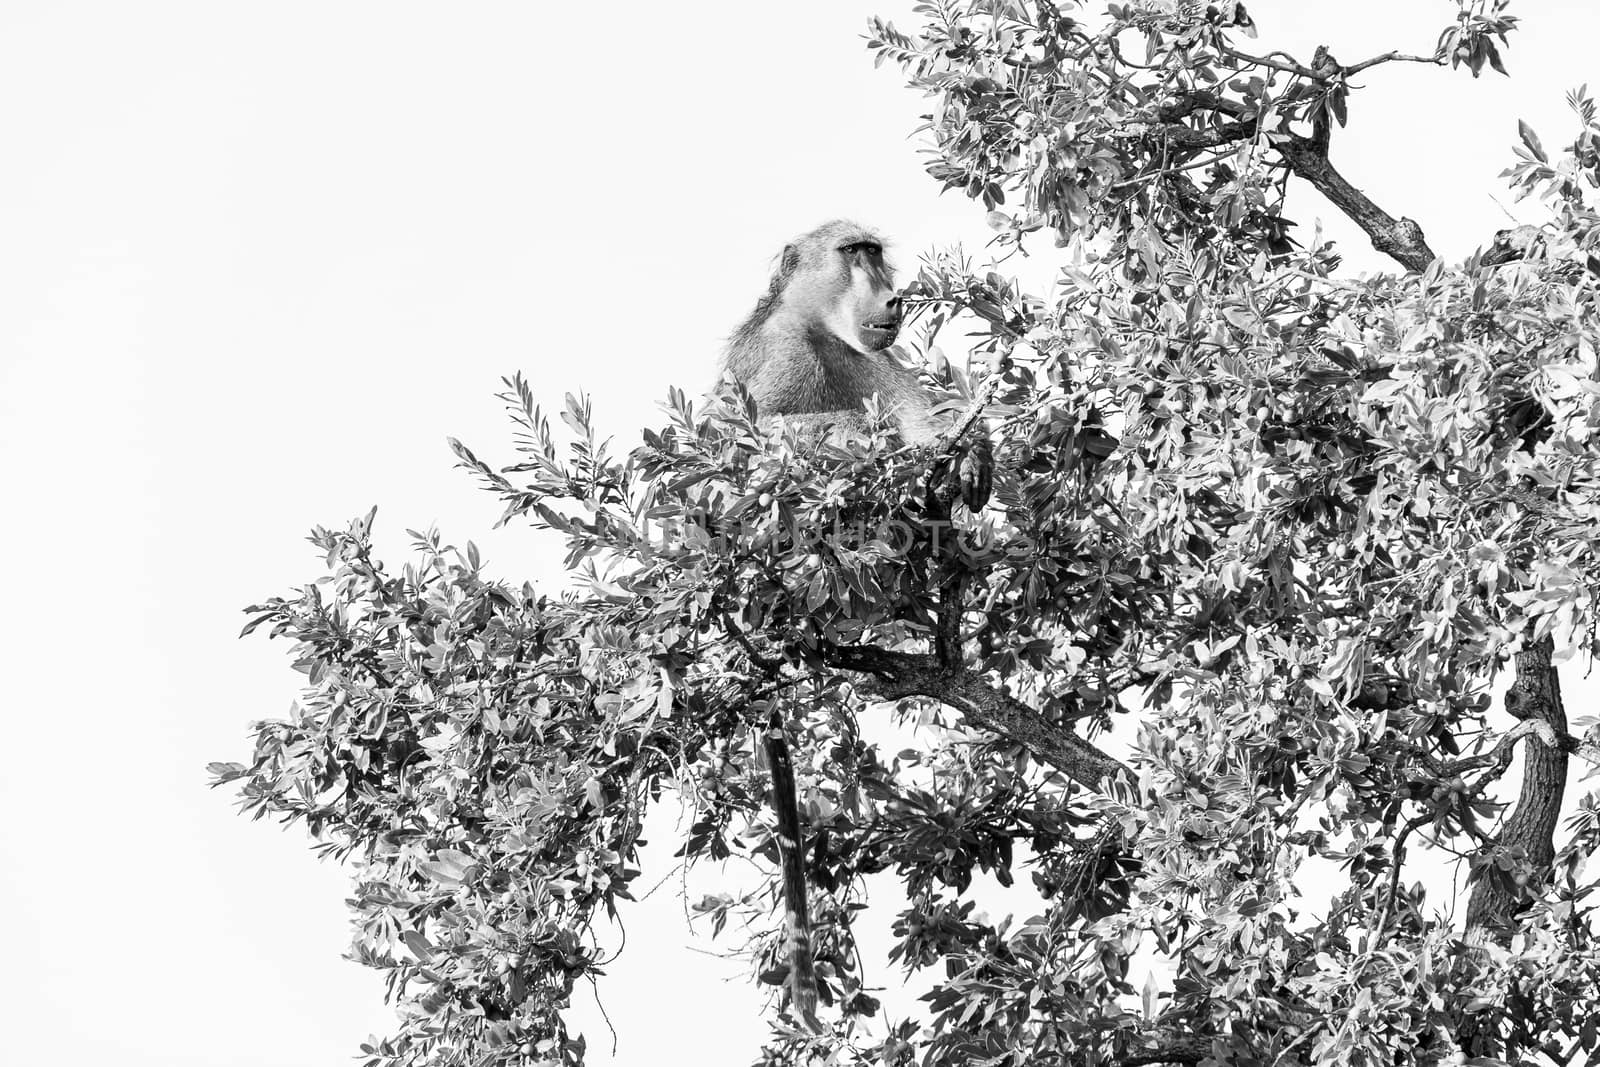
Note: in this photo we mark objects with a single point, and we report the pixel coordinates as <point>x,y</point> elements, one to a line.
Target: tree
<point>1290,528</point>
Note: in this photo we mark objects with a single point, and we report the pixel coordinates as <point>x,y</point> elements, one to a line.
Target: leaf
<point>448,866</point>
<point>1531,140</point>
<point>441,873</point>
<point>225,772</point>
<point>576,415</point>
<point>419,945</point>
<point>1494,58</point>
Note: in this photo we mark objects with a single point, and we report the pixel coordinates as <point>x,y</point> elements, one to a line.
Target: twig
<point>1392,57</point>
<point>769,667</point>
<point>594,987</point>
<point>1291,67</point>
<point>1140,178</point>
<point>1398,852</point>
<point>662,882</point>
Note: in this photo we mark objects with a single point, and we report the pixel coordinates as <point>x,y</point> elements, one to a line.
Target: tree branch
<point>950,441</point>
<point>1500,755</point>
<point>770,667</point>
<point>791,860</point>
<point>1184,104</point>
<point>952,605</point>
<point>1178,1050</point>
<point>903,674</point>
<point>1534,697</point>
<point>1288,64</point>
<point>1392,57</point>
<point>1307,157</point>
<point>1399,239</point>
<point>946,489</point>
<point>1323,75</point>
<point>1187,138</point>
<point>1397,859</point>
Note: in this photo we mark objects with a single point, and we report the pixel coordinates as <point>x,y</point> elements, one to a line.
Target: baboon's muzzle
<point>884,327</point>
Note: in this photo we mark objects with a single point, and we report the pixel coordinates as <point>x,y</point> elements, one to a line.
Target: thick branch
<point>905,674</point>
<point>952,604</point>
<point>1188,138</point>
<point>1307,157</point>
<point>1535,696</point>
<point>1499,757</point>
<point>1187,103</point>
<point>1399,239</point>
<point>947,476</point>
<point>1180,1050</point>
<point>791,856</point>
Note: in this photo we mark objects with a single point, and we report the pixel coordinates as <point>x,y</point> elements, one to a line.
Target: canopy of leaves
<point>1294,527</point>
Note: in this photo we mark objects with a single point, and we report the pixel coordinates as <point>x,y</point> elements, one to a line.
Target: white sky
<point>260,259</point>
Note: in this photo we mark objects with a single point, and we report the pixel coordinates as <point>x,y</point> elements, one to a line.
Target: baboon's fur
<point>803,352</point>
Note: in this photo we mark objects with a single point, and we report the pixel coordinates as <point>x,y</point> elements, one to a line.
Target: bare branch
<point>1392,57</point>
<point>1399,239</point>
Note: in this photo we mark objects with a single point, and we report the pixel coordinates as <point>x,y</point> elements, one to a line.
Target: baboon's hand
<point>977,474</point>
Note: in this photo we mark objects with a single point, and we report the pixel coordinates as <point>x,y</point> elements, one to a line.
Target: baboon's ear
<point>788,263</point>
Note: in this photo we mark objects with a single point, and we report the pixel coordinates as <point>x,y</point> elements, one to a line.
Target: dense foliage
<point>1295,531</point>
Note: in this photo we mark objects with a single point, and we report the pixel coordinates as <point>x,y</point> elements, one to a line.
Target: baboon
<point>818,345</point>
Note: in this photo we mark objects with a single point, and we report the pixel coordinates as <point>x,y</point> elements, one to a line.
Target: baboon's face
<point>845,283</point>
